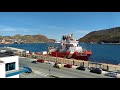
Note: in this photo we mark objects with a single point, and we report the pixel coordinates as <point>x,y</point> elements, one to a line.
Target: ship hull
<point>75,55</point>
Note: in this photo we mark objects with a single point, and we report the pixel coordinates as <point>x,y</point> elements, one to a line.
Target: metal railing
<point>104,66</point>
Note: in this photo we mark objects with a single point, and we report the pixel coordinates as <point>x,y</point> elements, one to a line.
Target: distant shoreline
<point>110,43</point>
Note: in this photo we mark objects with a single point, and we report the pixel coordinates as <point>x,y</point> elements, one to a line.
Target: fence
<point>107,67</point>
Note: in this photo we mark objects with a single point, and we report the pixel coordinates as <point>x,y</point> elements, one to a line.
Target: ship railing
<point>86,50</point>
<point>83,53</point>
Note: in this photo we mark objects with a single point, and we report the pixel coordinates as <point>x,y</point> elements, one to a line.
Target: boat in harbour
<point>69,48</point>
<point>57,41</point>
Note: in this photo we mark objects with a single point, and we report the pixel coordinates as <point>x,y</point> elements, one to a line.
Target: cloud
<point>77,33</point>
<point>81,31</point>
<point>68,30</point>
<point>7,30</point>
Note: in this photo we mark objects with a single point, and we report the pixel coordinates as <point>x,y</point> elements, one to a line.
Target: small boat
<point>57,41</point>
<point>69,48</point>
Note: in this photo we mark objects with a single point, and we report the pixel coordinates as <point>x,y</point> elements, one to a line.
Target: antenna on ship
<point>72,35</point>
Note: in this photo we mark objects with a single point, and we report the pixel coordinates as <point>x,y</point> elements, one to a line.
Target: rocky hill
<point>28,38</point>
<point>111,35</point>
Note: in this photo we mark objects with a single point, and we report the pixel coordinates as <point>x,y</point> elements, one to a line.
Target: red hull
<point>75,55</point>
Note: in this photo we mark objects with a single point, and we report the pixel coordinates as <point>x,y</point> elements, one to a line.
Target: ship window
<point>10,66</point>
<point>69,45</point>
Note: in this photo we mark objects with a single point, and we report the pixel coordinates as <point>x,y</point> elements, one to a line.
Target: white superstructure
<point>68,43</point>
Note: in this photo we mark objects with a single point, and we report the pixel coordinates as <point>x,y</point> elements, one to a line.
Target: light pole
<point>50,66</point>
<point>50,69</point>
<point>56,56</point>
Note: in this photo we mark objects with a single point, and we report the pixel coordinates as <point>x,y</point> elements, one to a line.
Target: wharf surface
<point>104,66</point>
<point>15,50</point>
<point>46,70</point>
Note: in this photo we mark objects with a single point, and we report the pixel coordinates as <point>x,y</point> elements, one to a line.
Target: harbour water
<point>104,53</point>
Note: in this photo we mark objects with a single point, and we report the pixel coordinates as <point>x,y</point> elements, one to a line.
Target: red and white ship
<point>69,48</point>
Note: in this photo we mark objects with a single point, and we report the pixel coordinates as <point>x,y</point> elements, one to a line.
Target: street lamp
<point>50,65</point>
<point>56,56</point>
<point>50,69</point>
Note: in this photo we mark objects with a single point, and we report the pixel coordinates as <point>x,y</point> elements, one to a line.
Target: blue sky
<point>55,24</point>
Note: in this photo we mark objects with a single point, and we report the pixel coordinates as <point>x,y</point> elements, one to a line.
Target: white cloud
<point>80,33</point>
<point>65,31</point>
<point>7,30</point>
<point>77,33</point>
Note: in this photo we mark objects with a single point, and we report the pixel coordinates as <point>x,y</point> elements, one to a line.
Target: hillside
<point>111,35</point>
<point>28,38</point>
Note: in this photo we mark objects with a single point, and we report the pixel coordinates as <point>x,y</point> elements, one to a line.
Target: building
<point>9,66</point>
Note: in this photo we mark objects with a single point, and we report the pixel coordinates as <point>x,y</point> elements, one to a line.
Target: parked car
<point>81,68</point>
<point>58,65</point>
<point>40,60</point>
<point>113,74</point>
<point>96,70</point>
<point>29,70</point>
<point>34,62</point>
<point>68,65</point>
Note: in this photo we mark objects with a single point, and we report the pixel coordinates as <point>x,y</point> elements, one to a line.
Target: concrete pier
<point>104,66</point>
<point>17,51</point>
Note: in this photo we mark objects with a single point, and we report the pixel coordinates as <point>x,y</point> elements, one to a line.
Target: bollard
<point>73,62</point>
<point>83,64</point>
<point>63,61</point>
<point>100,66</point>
<point>88,64</point>
<point>107,68</point>
<point>35,57</point>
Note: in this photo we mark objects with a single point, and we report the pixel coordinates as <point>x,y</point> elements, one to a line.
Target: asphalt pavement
<point>43,70</point>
